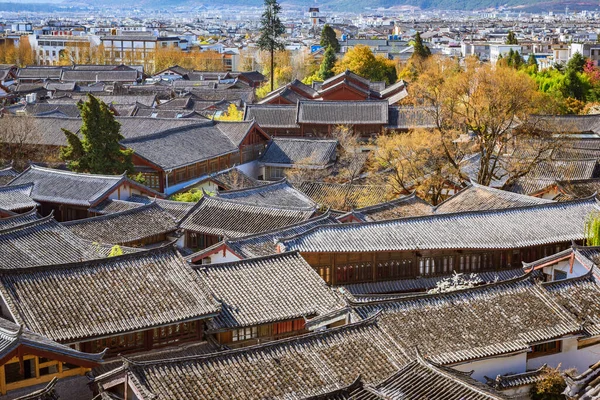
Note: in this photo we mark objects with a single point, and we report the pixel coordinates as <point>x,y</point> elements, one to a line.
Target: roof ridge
<point>448,215</point>
<point>200,124</point>
<point>476,185</point>
<point>267,185</point>
<point>444,371</point>
<point>247,260</point>
<point>135,210</point>
<point>43,220</point>
<point>169,247</point>
<point>71,173</point>
<point>323,216</point>
<point>528,276</point>
<point>241,203</point>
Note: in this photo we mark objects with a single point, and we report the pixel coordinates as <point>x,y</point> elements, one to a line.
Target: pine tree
<point>98,151</point>
<point>420,50</point>
<point>326,69</point>
<point>577,62</point>
<point>532,62</point>
<point>511,38</point>
<point>270,32</point>
<point>517,60</point>
<point>329,39</point>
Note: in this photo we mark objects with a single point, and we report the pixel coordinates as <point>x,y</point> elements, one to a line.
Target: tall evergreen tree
<point>329,39</point>
<point>271,31</point>
<point>420,50</point>
<point>577,62</point>
<point>326,69</point>
<point>98,151</point>
<point>511,38</point>
<point>532,62</point>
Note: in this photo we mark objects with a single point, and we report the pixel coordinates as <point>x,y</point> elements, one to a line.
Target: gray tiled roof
<point>65,187</point>
<point>18,219</point>
<point>371,289</point>
<point>12,336</point>
<point>567,123</point>
<point>288,151</point>
<point>278,194</point>
<point>422,379</point>
<point>125,227</point>
<point>579,297</point>
<point>503,317</point>
<point>285,369</point>
<point>236,131</point>
<point>343,112</point>
<point>358,196</point>
<point>479,197</point>
<point>265,290</point>
<point>234,178</point>
<point>40,72</point>
<point>579,188</point>
<point>177,209</point>
<point>406,206</point>
<point>7,174</point>
<point>99,76</point>
<point>503,382</point>
<point>491,229</point>
<point>585,385</point>
<point>272,116</point>
<point>17,197</point>
<point>410,117</point>
<point>182,146</point>
<point>108,296</point>
<point>264,243</point>
<point>47,130</point>
<point>229,218</point>
<point>40,242</point>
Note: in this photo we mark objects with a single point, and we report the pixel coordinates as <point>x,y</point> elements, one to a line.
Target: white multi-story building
<point>49,49</point>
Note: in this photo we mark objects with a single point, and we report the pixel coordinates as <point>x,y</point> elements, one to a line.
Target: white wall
<point>492,367</point>
<point>569,357</point>
<point>218,258</point>
<point>250,168</point>
<point>564,266</point>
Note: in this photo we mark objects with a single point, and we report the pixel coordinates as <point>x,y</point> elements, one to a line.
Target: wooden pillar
<point>36,361</point>
<point>333,271</point>
<point>2,380</point>
<point>374,267</point>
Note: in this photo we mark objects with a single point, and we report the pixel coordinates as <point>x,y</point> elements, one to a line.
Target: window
<point>174,333</point>
<point>181,175</point>
<point>245,334</point>
<point>276,173</point>
<point>545,349</point>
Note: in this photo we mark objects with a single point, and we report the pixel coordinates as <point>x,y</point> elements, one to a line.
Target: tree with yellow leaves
<point>413,161</point>
<point>361,60</point>
<point>232,114</point>
<point>493,105</point>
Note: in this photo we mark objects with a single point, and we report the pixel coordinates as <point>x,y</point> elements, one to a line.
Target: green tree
<point>326,69</point>
<point>575,85</point>
<point>329,39</point>
<point>420,50</point>
<point>98,151</point>
<point>532,62</point>
<point>517,60</point>
<point>511,38</point>
<point>577,62</point>
<point>271,30</point>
